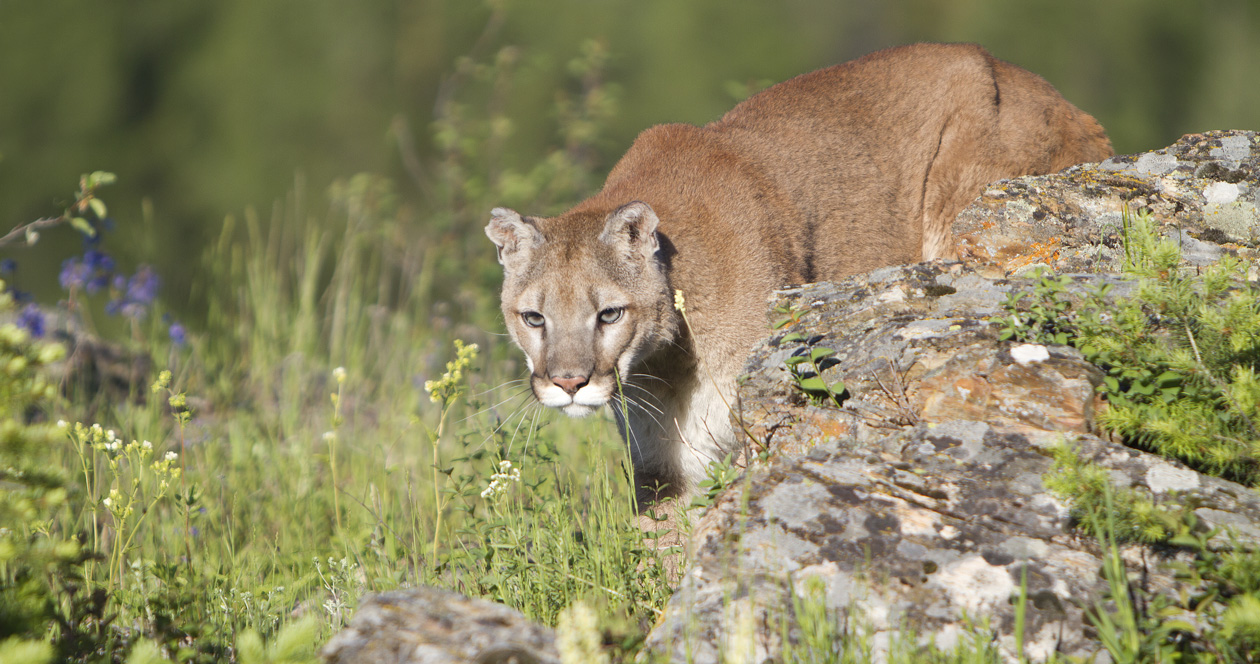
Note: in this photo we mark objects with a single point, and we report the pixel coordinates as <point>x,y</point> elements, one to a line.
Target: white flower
<point>62,424</point>
<point>171,456</point>
<point>108,502</point>
<point>339,374</point>
<point>147,445</point>
<point>500,481</point>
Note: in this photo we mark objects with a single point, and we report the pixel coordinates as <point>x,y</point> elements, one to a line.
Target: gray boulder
<point>919,502</point>
<point>432,626</point>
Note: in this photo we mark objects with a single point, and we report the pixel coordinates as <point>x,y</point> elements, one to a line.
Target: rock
<point>919,501</point>
<point>1204,190</point>
<point>432,626</point>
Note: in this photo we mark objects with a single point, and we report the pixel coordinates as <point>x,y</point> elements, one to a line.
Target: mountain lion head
<point>585,296</point>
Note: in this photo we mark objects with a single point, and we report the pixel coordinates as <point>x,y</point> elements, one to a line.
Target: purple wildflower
<point>143,285</point>
<point>32,320</point>
<point>98,260</point>
<point>135,295</point>
<point>74,274</point>
<point>179,336</point>
<point>8,266</point>
<point>100,267</point>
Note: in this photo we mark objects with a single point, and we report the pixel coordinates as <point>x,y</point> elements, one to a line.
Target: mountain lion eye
<point>533,318</point>
<point>611,315</point>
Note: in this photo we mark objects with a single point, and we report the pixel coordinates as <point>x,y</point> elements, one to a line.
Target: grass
<point>325,432</point>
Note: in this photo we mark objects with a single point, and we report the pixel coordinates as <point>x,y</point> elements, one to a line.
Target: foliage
<point>317,389</point>
<point>807,363</point>
<point>806,367</point>
<point>1212,620</point>
<point>1181,355</point>
<point>1129,515</point>
<point>31,492</point>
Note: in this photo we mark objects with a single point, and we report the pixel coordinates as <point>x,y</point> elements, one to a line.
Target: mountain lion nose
<point>570,384</point>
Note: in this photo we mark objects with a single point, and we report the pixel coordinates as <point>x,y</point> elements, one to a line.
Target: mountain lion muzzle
<point>832,173</point>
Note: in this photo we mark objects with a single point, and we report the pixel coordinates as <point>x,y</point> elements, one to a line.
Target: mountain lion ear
<point>631,228</point>
<point>514,238</point>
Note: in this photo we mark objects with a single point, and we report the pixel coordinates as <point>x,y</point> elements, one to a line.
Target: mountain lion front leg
<point>674,431</point>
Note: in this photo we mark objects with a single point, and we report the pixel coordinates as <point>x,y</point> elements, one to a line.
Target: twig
<point>902,400</point>
<point>23,229</point>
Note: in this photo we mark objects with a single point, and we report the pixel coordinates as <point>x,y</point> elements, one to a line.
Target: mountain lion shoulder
<point>832,173</point>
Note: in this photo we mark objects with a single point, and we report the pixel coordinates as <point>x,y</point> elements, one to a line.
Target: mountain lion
<point>836,172</point>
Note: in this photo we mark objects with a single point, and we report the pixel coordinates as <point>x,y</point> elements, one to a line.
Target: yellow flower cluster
<point>448,388</point>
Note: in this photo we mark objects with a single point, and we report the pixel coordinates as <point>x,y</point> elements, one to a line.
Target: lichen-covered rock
<point>1204,189</point>
<point>919,501</point>
<point>432,626</point>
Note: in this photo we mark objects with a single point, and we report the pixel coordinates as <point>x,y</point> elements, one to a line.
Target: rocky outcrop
<point>1205,189</point>
<point>918,502</point>
<point>432,626</point>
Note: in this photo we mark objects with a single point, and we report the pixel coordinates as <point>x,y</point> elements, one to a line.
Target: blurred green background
<point>205,109</point>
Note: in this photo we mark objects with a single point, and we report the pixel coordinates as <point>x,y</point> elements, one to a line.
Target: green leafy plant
<point>32,492</point>
<point>1180,355</point>
<point>806,368</point>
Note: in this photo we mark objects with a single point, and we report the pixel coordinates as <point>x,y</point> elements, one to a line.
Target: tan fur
<point>835,172</point>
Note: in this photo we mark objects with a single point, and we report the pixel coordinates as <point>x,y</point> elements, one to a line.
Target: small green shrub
<point>1181,355</point>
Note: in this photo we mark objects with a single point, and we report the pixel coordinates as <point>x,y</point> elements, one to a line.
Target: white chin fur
<point>578,410</point>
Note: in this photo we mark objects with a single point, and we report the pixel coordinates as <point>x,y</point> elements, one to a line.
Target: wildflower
<point>500,481</point>
<point>577,636</point>
<point>179,336</point>
<point>339,374</point>
<point>32,320</point>
<point>446,389</point>
<point>62,424</point>
<point>141,290</point>
<point>108,502</point>
<point>142,286</point>
<point>8,266</point>
<point>171,456</point>
<point>679,302</point>
<point>74,274</point>
<point>99,267</point>
<point>163,381</point>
